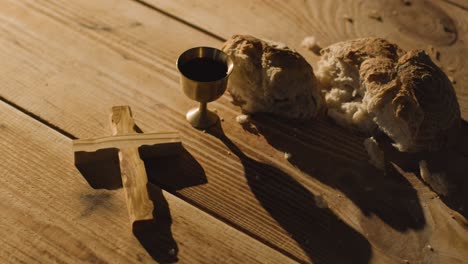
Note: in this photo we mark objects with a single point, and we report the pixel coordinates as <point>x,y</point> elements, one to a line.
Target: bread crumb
<point>376,155</point>
<point>348,18</point>
<point>311,44</point>
<point>172,252</point>
<point>229,153</point>
<point>287,155</point>
<point>375,15</point>
<point>242,119</point>
<point>430,247</point>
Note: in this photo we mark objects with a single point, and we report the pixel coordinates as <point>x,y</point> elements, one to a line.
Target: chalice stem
<point>203,108</point>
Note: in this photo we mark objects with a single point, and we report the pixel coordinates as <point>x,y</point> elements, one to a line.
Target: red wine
<point>204,69</point>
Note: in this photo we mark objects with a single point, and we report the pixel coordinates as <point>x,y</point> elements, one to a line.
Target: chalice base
<point>201,119</point>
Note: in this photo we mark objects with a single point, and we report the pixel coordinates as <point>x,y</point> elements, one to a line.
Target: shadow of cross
<point>126,145</point>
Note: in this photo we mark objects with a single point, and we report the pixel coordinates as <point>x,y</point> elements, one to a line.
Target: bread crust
<point>270,77</point>
<point>358,50</point>
<point>405,93</point>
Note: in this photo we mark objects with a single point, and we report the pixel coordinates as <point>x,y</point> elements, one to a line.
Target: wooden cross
<point>131,146</point>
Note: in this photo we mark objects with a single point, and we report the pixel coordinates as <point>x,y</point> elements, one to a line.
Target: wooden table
<point>234,197</point>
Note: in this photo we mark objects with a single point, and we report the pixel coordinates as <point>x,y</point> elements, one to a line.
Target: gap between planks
<point>38,118</point>
<point>178,19</point>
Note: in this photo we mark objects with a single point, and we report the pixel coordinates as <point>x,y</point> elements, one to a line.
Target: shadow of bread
<point>444,171</point>
<point>321,234</point>
<point>454,168</point>
<point>337,158</point>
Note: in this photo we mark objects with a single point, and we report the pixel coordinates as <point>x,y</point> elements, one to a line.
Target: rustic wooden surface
<point>51,215</point>
<point>235,198</point>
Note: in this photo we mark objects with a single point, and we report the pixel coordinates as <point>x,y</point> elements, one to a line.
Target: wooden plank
<point>50,214</point>
<point>439,27</point>
<point>260,192</point>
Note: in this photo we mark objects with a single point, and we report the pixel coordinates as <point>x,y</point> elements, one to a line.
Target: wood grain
<point>134,179</point>
<point>250,184</point>
<point>50,215</point>
<point>125,141</point>
<point>438,27</point>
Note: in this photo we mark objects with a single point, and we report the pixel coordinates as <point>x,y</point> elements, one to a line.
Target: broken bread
<point>371,84</point>
<point>272,78</point>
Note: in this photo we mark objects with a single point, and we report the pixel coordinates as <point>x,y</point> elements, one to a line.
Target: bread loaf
<point>270,77</point>
<point>371,84</point>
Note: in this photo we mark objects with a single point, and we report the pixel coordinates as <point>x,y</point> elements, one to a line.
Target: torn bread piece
<point>269,77</point>
<point>372,84</point>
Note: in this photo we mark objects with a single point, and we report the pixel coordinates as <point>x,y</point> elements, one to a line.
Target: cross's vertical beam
<point>132,168</point>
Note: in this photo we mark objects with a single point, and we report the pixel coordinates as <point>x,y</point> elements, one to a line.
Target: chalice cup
<point>204,74</point>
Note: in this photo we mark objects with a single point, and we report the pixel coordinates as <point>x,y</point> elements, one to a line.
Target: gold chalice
<point>204,75</point>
